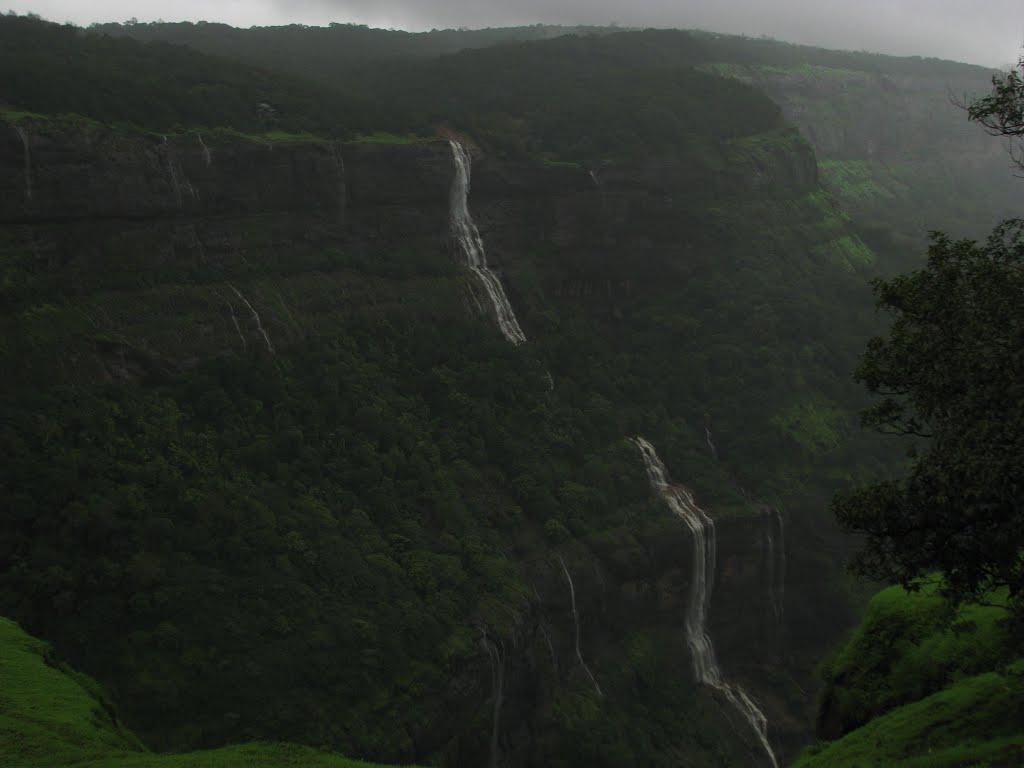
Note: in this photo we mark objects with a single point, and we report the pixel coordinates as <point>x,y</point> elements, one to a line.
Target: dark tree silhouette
<point>950,370</point>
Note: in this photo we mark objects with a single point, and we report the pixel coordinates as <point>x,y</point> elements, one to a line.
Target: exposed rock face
<point>108,219</point>
<point>898,147</point>
<point>238,246</point>
<point>81,170</point>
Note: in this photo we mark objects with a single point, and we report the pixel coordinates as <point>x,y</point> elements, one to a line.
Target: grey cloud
<point>989,32</point>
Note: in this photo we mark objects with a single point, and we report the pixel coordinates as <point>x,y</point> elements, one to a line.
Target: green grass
<point>15,115</point>
<point>220,134</point>
<point>817,426</point>
<point>762,145</point>
<point>975,722</point>
<point>861,180</point>
<point>563,164</point>
<point>848,251</point>
<point>63,119</point>
<point>51,716</point>
<point>911,645</point>
<point>383,137</point>
<point>227,135</point>
<point>922,684</point>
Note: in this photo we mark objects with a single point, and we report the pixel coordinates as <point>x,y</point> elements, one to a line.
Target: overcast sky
<point>986,32</point>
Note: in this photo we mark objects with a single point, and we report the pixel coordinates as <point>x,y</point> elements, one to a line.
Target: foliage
<point>50,714</point>
<point>908,646</point>
<point>309,545</point>
<point>922,684</point>
<point>950,370</point>
<point>975,722</point>
<point>52,69</point>
<point>1002,111</point>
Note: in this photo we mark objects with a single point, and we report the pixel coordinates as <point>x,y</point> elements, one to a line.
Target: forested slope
<point>891,132</point>
<point>922,684</point>
<point>271,472</point>
<point>52,715</point>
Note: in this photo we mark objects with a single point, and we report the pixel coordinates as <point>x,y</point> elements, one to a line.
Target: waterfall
<point>255,316</point>
<point>779,591</point>
<point>472,246</point>
<point>707,435</point>
<point>705,667</point>
<point>576,622</point>
<point>234,320</point>
<point>206,150</point>
<point>172,169</point>
<point>28,162</point>
<point>496,655</point>
<point>768,563</point>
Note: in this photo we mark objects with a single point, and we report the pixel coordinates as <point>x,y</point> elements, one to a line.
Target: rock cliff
<point>139,256</point>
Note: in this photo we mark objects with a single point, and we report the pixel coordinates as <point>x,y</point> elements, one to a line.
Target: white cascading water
<point>206,150</point>
<point>779,584</point>
<point>707,435</point>
<point>706,670</point>
<point>176,183</point>
<point>576,623</point>
<point>496,654</point>
<point>472,246</point>
<point>255,316</point>
<point>28,162</point>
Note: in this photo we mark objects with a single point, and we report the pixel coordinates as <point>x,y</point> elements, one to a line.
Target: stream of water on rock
<point>472,246</point>
<point>706,669</point>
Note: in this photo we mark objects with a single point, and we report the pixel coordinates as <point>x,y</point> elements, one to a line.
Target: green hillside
<point>919,684</point>
<point>271,472</point>
<point>51,715</point>
<point>865,114</point>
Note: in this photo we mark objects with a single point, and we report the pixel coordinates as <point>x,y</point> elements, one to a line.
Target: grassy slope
<point>974,722</point>
<point>942,690</point>
<point>51,715</point>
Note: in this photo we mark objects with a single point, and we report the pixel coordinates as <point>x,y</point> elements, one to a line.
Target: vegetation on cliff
<point>923,684</point>
<point>949,374</point>
<point>374,496</point>
<point>933,676</point>
<point>269,474</point>
<point>52,715</point>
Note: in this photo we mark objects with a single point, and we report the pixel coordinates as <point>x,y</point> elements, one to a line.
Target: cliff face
<point>82,170</point>
<point>138,256</point>
<point>114,223</point>
<point>896,147</point>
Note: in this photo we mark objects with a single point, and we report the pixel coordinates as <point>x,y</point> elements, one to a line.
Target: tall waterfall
<point>778,587</point>
<point>206,150</point>
<point>28,162</point>
<point>576,623</point>
<point>496,654</point>
<point>472,246</point>
<point>705,667</point>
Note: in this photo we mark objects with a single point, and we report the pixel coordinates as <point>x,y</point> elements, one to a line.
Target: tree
<point>951,373</point>
<point>1002,111</point>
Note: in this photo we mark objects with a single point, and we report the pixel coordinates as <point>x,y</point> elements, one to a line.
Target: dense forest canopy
<point>270,471</point>
<point>950,372</point>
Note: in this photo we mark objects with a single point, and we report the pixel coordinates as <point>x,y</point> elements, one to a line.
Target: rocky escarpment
<point>896,146</point>
<point>139,252</point>
<point>133,256</point>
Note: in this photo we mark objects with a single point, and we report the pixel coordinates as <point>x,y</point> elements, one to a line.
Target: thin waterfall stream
<point>576,624</point>
<point>28,162</point>
<point>706,669</point>
<point>472,246</point>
